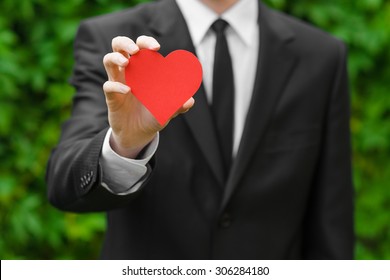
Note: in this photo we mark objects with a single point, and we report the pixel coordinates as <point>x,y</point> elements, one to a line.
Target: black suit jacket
<point>289,193</point>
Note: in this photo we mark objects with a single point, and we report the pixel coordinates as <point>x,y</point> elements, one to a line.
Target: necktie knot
<point>219,26</point>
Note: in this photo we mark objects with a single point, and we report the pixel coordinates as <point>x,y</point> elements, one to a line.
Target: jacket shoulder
<point>125,22</point>
<point>308,36</point>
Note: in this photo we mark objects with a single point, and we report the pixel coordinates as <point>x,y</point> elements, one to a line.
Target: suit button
<point>225,221</point>
<point>89,176</point>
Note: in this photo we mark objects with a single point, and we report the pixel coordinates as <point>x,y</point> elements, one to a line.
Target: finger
<point>112,63</point>
<point>110,87</point>
<point>185,108</point>
<point>147,42</point>
<point>124,45</point>
<point>187,105</point>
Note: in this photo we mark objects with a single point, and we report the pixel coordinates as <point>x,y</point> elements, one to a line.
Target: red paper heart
<point>161,84</point>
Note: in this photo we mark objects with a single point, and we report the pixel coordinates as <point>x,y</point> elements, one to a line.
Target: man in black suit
<point>286,192</point>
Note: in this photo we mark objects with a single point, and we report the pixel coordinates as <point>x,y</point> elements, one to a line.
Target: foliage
<point>36,59</point>
<point>35,62</point>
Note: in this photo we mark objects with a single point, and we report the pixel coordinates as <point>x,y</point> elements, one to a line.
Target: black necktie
<point>223,93</point>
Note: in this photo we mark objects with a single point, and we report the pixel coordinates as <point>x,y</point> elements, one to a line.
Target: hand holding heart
<point>133,126</point>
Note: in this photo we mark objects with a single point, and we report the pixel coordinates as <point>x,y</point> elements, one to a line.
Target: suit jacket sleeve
<point>73,172</point>
<point>329,222</point>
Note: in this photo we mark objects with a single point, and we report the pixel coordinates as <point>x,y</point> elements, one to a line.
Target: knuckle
<point>121,44</point>
<point>115,41</point>
<point>107,58</point>
<point>119,41</point>
<point>142,38</point>
<point>107,86</point>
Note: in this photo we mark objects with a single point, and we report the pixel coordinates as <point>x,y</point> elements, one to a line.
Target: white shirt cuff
<point>120,175</point>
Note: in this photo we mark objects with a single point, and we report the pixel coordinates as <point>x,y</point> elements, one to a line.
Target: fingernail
<point>132,49</point>
<point>122,60</point>
<point>124,89</point>
<point>155,45</point>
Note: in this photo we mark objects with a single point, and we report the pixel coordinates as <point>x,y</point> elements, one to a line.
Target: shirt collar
<point>242,18</point>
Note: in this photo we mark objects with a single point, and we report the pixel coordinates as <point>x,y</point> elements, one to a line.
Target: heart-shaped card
<point>163,84</point>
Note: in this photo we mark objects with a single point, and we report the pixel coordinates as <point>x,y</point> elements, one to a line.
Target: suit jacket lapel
<point>275,64</point>
<point>169,28</point>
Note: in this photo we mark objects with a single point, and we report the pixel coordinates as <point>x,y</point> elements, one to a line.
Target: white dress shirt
<point>243,40</point>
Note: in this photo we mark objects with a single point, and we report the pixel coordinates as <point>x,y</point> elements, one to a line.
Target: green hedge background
<point>36,39</point>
